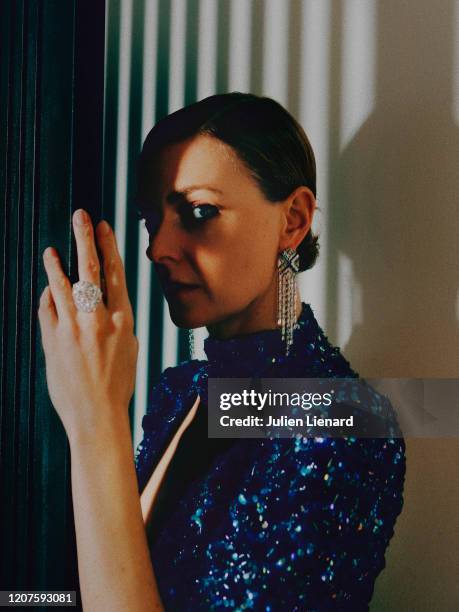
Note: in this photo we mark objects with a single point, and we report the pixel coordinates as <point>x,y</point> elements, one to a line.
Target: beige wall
<point>396,190</point>
<point>422,572</point>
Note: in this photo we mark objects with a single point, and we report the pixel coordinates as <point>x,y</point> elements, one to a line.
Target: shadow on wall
<point>394,200</point>
<point>393,208</point>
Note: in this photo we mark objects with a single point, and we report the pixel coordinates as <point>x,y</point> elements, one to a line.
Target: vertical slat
<point>191,57</point>
<point>144,302</point>
<point>156,314</point>
<point>207,49</point>
<point>122,129</point>
<point>134,146</point>
<point>257,48</point>
<point>240,26</point>
<point>178,51</point>
<point>112,34</point>
<point>224,8</point>
<point>314,115</point>
<point>190,92</point>
<point>275,49</point>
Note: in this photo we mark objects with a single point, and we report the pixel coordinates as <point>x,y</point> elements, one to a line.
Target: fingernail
<point>104,228</point>
<point>81,217</point>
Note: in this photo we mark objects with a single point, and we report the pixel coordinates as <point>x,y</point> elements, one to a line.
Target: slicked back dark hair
<point>264,135</point>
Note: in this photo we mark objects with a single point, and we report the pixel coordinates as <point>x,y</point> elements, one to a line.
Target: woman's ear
<point>298,212</point>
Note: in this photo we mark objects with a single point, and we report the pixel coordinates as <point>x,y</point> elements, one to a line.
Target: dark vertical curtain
<point>51,151</point>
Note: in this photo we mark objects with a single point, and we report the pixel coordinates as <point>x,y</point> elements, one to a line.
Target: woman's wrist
<point>101,431</point>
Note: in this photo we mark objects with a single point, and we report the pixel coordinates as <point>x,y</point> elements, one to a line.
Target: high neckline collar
<point>259,349</point>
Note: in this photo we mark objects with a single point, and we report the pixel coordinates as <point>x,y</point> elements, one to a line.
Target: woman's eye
<point>190,215</point>
<point>204,211</point>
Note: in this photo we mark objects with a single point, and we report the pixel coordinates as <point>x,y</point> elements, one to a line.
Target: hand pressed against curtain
<point>215,238</point>
<point>90,357</point>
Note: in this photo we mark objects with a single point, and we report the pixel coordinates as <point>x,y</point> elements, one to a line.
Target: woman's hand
<point>90,357</point>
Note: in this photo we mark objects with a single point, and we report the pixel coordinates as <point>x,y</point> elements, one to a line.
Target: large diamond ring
<point>86,295</point>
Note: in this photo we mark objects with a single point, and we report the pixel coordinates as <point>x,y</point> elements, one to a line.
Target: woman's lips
<point>173,288</point>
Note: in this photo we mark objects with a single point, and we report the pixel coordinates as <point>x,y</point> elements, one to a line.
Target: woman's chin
<point>185,315</point>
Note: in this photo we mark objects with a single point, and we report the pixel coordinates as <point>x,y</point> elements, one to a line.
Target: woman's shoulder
<point>173,389</point>
<point>181,371</point>
<point>177,379</point>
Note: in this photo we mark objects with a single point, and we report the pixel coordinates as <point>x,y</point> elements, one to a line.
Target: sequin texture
<point>296,524</point>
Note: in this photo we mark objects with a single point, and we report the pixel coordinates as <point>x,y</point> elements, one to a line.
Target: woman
<point>227,190</point>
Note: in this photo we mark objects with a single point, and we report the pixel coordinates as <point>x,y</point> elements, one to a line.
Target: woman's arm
<point>90,371</point>
<point>114,564</point>
<point>113,558</point>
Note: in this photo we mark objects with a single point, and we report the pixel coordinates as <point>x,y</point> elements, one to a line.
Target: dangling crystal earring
<point>288,265</point>
<point>191,342</point>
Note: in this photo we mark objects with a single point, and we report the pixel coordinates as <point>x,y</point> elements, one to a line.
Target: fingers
<point>115,278</point>
<point>89,268</point>
<point>47,314</point>
<point>88,260</point>
<point>59,285</point>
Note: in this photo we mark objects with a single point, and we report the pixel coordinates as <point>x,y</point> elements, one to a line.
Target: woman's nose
<point>165,243</point>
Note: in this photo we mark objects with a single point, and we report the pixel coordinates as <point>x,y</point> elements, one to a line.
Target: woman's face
<point>213,232</point>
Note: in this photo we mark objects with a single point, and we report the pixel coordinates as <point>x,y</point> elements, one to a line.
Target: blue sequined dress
<point>266,524</point>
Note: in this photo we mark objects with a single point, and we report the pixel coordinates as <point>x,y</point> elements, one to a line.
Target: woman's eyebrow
<point>175,196</point>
